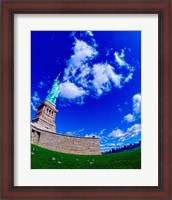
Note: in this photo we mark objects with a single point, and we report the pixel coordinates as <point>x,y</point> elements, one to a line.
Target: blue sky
<point>100,82</point>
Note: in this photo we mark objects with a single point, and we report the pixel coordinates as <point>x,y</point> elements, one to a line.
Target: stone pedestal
<point>46,115</point>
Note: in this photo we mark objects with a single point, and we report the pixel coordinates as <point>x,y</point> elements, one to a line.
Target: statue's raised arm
<point>54,92</point>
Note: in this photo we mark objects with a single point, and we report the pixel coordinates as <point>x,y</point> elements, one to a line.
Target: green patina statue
<point>54,92</point>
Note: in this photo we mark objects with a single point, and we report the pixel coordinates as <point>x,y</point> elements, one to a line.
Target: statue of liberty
<point>54,92</point>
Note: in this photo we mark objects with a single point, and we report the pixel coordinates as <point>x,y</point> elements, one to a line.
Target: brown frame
<point>11,7</point>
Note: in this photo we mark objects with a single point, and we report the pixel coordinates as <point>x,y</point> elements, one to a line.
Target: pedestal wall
<point>64,143</point>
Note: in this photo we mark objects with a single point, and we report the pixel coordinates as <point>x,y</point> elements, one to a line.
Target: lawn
<point>46,159</point>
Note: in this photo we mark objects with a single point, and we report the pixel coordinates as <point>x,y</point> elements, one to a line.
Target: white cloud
<point>75,80</point>
<point>69,133</point>
<point>33,107</point>
<point>136,114</point>
<point>129,118</point>
<point>101,132</point>
<point>120,60</point>
<point>137,104</point>
<point>75,132</point>
<point>70,90</point>
<point>82,53</point>
<point>83,76</point>
<point>116,134</point>
<point>115,78</point>
<point>111,145</point>
<point>105,78</point>
<point>90,33</point>
<point>92,135</point>
<point>81,130</point>
<point>35,100</point>
<point>72,34</point>
<point>132,132</point>
<point>35,97</point>
<point>82,50</point>
<point>128,77</point>
<point>122,136</point>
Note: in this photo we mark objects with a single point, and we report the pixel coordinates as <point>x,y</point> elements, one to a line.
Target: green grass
<point>45,159</point>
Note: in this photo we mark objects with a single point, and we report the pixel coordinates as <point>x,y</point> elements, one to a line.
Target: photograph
<point>86,99</point>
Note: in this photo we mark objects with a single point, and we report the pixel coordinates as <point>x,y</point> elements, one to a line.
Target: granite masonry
<point>64,143</point>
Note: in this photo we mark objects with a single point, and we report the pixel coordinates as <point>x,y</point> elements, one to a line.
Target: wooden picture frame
<point>11,7</point>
